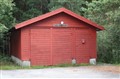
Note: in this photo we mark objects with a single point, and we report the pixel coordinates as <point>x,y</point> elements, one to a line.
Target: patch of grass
<point>72,65</point>
<point>60,65</point>
<point>10,67</point>
<point>13,66</point>
<point>40,67</point>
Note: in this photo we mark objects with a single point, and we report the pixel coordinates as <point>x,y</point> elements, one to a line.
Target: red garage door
<point>51,46</point>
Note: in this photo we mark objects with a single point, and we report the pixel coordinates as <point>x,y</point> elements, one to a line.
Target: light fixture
<point>62,22</point>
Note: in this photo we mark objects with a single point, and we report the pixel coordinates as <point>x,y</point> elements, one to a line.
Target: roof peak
<point>54,12</point>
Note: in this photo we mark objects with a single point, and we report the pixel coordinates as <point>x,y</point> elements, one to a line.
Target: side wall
<point>15,46</point>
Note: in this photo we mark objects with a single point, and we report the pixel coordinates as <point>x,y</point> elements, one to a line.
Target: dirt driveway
<point>65,72</point>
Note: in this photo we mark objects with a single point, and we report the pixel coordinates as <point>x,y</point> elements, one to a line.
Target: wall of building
<point>15,46</point>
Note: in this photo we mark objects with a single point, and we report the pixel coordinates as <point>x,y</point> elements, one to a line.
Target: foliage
<point>4,58</point>
<point>106,13</point>
<point>74,5</point>
<point>26,9</point>
<point>6,19</point>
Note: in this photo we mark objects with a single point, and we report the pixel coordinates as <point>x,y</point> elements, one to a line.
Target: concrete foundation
<point>20,62</point>
<point>73,61</point>
<point>92,61</point>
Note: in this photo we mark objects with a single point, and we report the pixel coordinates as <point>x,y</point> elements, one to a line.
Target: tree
<point>106,13</point>
<point>26,9</point>
<point>74,5</point>
<point>6,19</point>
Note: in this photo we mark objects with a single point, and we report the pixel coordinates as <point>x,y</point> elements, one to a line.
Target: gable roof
<point>52,13</point>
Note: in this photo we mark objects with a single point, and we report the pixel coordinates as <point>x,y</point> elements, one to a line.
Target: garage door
<point>51,46</point>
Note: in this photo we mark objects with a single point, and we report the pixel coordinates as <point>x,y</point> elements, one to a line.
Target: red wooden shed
<point>57,37</point>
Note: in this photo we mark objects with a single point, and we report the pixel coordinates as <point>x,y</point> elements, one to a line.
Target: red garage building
<point>57,37</point>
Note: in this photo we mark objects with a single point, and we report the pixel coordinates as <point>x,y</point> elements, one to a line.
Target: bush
<point>5,59</point>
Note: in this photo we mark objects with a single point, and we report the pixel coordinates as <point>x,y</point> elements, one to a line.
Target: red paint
<point>39,41</point>
<point>16,43</point>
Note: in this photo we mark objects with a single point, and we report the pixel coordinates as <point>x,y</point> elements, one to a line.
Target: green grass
<point>12,66</point>
<point>72,65</point>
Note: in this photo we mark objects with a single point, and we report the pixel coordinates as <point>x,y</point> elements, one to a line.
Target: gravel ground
<point>107,68</point>
<point>63,72</point>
